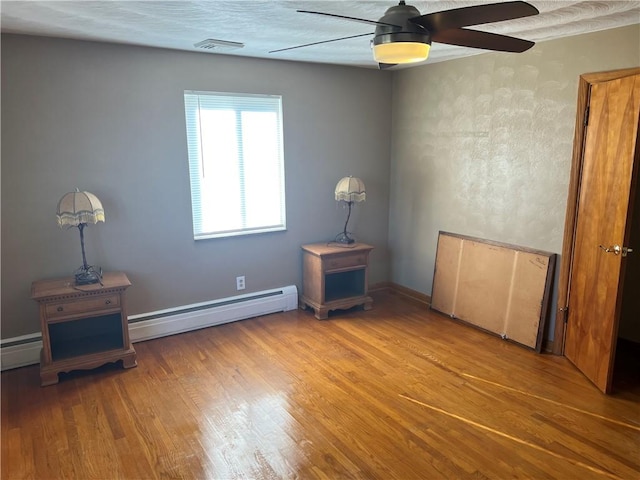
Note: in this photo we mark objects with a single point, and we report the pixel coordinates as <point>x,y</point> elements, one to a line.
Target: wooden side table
<point>83,326</point>
<point>335,276</point>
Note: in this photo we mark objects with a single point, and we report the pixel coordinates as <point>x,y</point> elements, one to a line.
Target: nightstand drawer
<point>345,261</point>
<point>57,310</point>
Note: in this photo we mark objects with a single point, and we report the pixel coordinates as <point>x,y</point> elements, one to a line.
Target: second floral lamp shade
<point>349,190</point>
<point>77,209</point>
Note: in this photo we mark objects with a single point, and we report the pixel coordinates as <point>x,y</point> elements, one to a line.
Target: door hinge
<point>565,310</point>
<point>586,116</point>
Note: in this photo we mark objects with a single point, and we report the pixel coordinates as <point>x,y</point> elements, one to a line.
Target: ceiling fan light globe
<point>401,52</point>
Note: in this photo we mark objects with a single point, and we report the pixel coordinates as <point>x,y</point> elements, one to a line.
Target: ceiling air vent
<point>213,44</point>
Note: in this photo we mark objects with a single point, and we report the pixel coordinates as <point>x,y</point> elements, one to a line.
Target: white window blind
<point>236,163</point>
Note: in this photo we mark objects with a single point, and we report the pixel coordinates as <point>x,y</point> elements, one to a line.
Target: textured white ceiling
<point>270,25</point>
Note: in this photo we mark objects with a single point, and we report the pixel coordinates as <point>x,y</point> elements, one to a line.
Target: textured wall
<point>110,119</point>
<point>482,146</point>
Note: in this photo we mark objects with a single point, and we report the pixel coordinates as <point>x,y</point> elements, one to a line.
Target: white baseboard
<point>25,350</point>
<point>20,355</point>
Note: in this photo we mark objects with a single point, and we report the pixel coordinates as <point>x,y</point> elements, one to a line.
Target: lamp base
<point>88,276</point>
<point>344,238</point>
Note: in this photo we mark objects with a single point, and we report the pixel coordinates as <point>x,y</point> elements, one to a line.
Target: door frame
<point>584,90</point>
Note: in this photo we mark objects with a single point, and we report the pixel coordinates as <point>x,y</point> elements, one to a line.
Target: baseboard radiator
<point>25,350</point>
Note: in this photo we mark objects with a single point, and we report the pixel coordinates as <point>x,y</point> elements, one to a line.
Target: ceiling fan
<point>402,35</point>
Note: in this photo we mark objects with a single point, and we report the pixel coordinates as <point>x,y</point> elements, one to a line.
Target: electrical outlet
<point>240,283</point>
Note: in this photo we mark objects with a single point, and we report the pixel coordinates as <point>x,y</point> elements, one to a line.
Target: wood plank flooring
<point>397,392</point>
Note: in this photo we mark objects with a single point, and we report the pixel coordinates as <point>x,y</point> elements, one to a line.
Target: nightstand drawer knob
<point>60,309</point>
<point>107,302</point>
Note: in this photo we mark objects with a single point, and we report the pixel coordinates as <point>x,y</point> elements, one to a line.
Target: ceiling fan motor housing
<point>395,26</point>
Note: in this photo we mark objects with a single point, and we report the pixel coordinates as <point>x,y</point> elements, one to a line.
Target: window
<point>235,162</point>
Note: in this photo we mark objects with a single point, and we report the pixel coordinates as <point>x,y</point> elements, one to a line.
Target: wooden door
<point>602,226</point>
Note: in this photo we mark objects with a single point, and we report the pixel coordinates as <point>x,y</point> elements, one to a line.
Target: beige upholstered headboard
<point>503,289</point>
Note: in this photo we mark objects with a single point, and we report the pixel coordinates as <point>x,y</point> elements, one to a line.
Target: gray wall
<point>479,146</point>
<point>482,146</point>
<point>110,119</point>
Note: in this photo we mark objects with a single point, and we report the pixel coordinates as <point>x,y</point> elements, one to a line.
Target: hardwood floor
<point>397,392</point>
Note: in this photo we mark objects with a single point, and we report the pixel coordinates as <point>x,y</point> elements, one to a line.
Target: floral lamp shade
<point>350,189</point>
<point>77,209</point>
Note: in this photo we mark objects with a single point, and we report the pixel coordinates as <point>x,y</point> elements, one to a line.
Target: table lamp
<point>77,209</point>
<point>349,190</point>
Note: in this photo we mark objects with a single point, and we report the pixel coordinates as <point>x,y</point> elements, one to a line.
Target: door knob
<point>615,249</point>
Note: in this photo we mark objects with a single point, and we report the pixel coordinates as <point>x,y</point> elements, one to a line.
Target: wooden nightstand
<point>83,326</point>
<point>335,277</point>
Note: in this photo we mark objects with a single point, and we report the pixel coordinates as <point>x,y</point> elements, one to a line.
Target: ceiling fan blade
<point>354,19</point>
<point>323,41</point>
<point>474,15</point>
<point>385,66</point>
<point>476,39</point>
